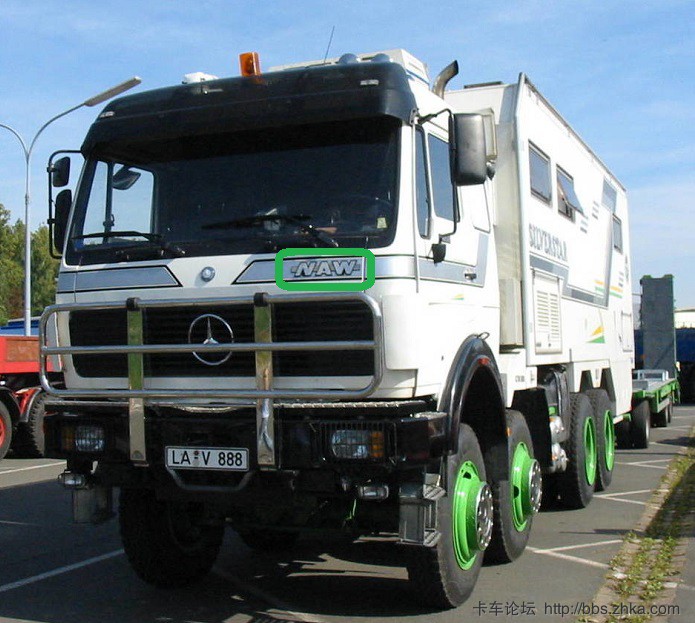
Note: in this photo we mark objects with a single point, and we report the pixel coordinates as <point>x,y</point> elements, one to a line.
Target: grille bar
<point>209,348</point>
<point>319,302</point>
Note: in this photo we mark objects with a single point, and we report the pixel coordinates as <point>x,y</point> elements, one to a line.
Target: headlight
<point>357,444</point>
<point>89,438</point>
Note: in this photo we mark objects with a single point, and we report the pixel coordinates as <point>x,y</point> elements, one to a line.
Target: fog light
<point>71,480</point>
<point>89,438</point>
<point>372,492</point>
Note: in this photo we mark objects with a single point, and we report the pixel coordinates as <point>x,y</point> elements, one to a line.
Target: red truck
<point>21,397</point>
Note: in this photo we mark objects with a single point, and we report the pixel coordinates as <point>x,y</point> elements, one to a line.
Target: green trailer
<point>654,393</point>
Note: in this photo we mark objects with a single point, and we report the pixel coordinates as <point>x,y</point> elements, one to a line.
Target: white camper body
<point>563,261</point>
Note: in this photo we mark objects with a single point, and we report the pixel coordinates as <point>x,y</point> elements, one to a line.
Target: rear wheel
<point>640,425</point>
<point>517,498</point>
<point>444,575</point>
<point>168,544</point>
<point>577,483</point>
<point>5,430</point>
<point>605,433</point>
<point>663,417</point>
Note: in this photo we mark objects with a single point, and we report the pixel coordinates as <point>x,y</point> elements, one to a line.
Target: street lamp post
<point>92,101</point>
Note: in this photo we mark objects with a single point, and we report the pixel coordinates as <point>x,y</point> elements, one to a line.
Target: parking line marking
<point>583,561</point>
<point>641,464</point>
<point>612,499</point>
<point>567,547</point>
<point>60,571</point>
<point>26,469</point>
<point>264,596</point>
<point>6,522</point>
<point>619,493</point>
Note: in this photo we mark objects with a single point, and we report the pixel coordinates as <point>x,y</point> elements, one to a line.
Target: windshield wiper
<point>120,234</point>
<point>122,253</point>
<point>250,221</point>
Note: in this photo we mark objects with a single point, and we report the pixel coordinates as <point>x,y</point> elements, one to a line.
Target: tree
<point>44,269</point>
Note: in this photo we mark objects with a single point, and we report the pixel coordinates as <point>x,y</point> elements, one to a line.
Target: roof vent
<point>348,59</point>
<point>381,58</point>
<point>197,76</point>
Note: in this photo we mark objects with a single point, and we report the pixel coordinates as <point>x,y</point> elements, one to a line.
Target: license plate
<point>226,459</point>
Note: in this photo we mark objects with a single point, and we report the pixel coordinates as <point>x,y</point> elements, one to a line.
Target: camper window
<point>568,201</point>
<point>617,234</point>
<point>609,196</point>
<point>539,165</point>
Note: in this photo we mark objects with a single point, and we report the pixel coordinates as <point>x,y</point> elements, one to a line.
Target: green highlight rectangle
<point>316,262</point>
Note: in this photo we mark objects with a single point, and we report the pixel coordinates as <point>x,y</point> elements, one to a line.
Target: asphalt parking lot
<point>53,571</point>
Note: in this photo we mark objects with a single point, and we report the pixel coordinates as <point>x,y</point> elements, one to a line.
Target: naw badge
<point>325,270</point>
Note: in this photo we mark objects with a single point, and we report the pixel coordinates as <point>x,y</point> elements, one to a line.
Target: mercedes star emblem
<point>211,329</point>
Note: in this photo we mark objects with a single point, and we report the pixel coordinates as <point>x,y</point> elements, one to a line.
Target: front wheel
<point>444,575</point>
<point>516,498</point>
<point>168,544</point>
<point>30,441</point>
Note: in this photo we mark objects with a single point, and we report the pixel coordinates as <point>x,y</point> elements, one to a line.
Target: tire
<point>270,541</point>
<point>168,544</point>
<point>517,498</point>
<point>5,430</point>
<point>640,425</point>
<point>577,483</point>
<point>660,419</point>
<point>444,576</point>
<point>30,441</point>
<point>605,434</point>
<point>622,434</point>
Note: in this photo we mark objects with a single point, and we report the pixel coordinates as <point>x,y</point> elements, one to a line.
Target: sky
<point>622,72</point>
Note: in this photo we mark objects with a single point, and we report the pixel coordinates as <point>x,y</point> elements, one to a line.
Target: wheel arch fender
<point>7,398</point>
<point>474,369</point>
<point>27,398</point>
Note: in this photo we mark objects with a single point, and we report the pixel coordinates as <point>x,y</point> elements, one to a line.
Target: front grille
<point>296,322</point>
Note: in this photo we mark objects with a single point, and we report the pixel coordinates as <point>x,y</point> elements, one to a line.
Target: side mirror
<point>467,149</point>
<point>59,224</point>
<point>60,172</point>
<point>124,178</point>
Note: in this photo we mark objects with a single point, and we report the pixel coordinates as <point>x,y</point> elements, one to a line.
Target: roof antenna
<point>328,47</point>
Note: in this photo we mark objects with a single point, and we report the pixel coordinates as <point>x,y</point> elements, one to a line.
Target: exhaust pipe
<point>444,77</point>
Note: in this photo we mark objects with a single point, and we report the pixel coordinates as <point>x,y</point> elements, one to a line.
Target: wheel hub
<point>526,486</point>
<point>609,436</point>
<point>472,515</point>
<point>590,450</point>
<point>484,517</point>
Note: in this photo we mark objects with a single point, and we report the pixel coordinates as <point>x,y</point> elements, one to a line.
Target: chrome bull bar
<point>263,347</point>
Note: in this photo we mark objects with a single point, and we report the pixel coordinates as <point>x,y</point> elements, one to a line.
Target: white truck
<point>332,296</point>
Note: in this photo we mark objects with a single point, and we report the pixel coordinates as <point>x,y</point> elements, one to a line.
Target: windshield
<point>331,184</point>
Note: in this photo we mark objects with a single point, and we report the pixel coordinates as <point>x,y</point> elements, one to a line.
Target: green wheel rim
<point>609,435</point>
<point>523,465</point>
<point>464,510</point>
<point>590,450</point>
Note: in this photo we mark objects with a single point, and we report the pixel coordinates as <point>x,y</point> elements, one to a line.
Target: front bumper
<point>408,435</point>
